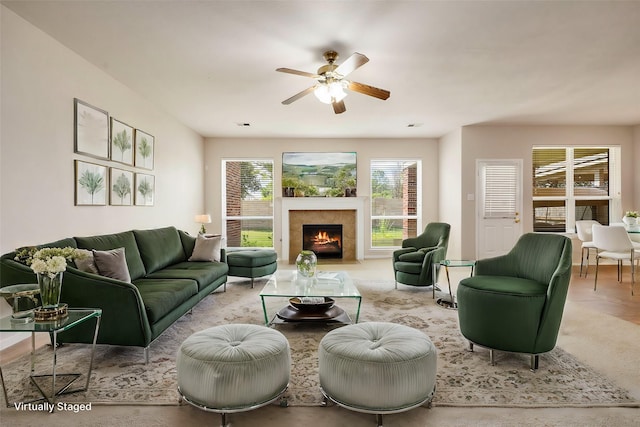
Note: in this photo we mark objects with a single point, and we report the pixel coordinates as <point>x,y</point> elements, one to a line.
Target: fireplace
<point>347,211</point>
<point>323,239</point>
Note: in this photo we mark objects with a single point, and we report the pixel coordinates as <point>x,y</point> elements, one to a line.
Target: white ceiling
<point>448,64</point>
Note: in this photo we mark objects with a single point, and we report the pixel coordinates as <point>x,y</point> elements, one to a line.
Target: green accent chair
<point>514,302</point>
<point>413,264</point>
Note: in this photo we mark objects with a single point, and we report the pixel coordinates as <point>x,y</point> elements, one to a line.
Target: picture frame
<point>309,174</point>
<point>121,149</point>
<point>145,189</point>
<point>91,130</point>
<point>91,184</point>
<point>121,187</point>
<point>144,150</point>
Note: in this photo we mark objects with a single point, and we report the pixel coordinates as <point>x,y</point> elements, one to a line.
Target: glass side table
<point>22,298</point>
<point>450,302</point>
<point>75,317</point>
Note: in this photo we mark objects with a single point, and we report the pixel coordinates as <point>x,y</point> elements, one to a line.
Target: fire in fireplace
<point>323,239</point>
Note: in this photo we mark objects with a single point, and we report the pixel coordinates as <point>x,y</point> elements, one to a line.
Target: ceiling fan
<point>331,82</point>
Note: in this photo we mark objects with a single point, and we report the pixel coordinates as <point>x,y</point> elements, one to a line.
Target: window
<point>570,184</point>
<point>248,203</point>
<point>500,182</point>
<point>395,201</point>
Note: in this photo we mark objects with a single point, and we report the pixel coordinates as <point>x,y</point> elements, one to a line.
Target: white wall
<point>451,200</point>
<point>516,142</point>
<point>636,169</point>
<point>40,78</point>
<point>217,149</point>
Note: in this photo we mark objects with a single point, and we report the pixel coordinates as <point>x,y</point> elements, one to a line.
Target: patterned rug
<point>464,378</point>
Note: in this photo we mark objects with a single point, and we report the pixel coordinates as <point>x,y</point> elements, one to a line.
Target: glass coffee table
<point>327,286</point>
<point>53,328</point>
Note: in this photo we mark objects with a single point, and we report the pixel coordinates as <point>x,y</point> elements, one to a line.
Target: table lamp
<point>203,219</point>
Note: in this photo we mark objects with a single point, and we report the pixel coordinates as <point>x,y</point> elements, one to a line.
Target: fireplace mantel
<point>357,204</point>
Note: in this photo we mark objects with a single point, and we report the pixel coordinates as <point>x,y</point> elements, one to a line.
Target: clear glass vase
<point>50,288</point>
<point>306,262</point>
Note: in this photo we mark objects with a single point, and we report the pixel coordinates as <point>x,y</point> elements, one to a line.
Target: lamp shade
<point>330,92</point>
<point>203,219</point>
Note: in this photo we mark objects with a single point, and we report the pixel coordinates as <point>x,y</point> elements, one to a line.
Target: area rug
<point>464,378</point>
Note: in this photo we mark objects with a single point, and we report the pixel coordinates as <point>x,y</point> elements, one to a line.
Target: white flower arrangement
<point>51,261</point>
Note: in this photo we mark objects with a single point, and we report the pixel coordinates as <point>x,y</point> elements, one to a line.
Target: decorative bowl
<point>312,304</point>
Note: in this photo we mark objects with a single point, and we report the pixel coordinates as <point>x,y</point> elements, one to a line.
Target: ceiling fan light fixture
<point>330,92</point>
<point>331,86</point>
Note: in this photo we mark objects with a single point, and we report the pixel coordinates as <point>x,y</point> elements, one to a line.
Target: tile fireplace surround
<point>348,211</point>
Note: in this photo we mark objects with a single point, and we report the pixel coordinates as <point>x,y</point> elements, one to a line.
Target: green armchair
<point>515,302</point>
<point>413,264</point>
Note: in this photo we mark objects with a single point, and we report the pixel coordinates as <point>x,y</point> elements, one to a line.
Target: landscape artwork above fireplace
<point>319,174</point>
<point>323,239</point>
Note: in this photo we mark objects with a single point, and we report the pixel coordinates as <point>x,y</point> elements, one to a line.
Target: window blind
<point>500,183</point>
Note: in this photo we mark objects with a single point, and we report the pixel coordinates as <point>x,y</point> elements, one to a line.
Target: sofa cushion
<point>86,262</point>
<point>207,248</point>
<point>202,272</point>
<point>408,267</point>
<point>159,247</point>
<point>252,258</point>
<point>506,285</point>
<point>112,264</point>
<point>62,243</point>
<point>161,297</point>
<point>124,240</point>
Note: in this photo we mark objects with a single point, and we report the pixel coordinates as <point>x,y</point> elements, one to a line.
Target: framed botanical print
<point>121,187</point>
<point>90,184</point>
<point>121,142</point>
<point>145,189</point>
<point>91,131</point>
<point>145,146</point>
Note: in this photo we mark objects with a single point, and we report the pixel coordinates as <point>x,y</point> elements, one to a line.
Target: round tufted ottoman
<point>233,368</point>
<point>377,367</point>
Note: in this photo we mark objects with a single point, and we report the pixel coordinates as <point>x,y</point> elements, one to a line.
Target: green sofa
<point>164,284</point>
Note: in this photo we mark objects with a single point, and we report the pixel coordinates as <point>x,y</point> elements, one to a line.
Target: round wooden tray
<point>293,314</point>
<point>316,308</point>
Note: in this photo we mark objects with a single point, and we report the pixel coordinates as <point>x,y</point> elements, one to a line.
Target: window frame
<point>223,189</point>
<point>570,197</point>
<point>417,217</point>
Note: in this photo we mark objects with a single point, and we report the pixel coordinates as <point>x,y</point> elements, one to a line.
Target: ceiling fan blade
<point>338,107</point>
<point>369,90</point>
<point>298,95</point>
<point>299,73</point>
<point>352,63</point>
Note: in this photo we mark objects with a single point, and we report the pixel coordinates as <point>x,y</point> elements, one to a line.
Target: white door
<point>499,186</point>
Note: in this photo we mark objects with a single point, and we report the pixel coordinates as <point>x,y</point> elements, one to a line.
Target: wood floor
<point>610,297</point>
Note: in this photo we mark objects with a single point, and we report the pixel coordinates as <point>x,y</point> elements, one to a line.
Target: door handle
<point>517,218</point>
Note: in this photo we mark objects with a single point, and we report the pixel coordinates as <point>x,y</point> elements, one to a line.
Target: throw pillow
<point>112,264</point>
<point>207,248</point>
<point>86,263</point>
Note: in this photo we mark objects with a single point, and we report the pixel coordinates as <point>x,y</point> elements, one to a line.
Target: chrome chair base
<point>534,363</point>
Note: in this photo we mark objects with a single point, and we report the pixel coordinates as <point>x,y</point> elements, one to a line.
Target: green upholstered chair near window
<point>514,302</point>
<point>413,264</point>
